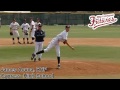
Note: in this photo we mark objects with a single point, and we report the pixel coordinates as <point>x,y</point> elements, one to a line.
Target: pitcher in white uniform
<point>14,26</point>
<point>62,37</point>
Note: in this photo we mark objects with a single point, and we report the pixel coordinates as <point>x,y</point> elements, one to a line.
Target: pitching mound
<point>68,68</point>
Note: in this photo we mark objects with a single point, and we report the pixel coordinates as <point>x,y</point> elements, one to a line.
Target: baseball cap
<point>14,19</point>
<point>40,25</point>
<point>24,19</point>
<point>67,26</point>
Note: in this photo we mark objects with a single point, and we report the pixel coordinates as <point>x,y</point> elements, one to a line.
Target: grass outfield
<point>94,53</point>
<point>75,32</point>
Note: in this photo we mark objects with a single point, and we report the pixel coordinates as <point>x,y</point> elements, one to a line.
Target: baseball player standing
<point>39,39</point>
<point>25,28</point>
<point>37,23</point>
<point>62,37</point>
<point>32,31</point>
<point>14,26</point>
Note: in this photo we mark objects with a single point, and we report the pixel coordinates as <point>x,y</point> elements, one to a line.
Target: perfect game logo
<point>101,20</point>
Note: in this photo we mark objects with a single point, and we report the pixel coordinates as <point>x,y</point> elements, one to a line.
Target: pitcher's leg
<point>57,47</point>
<point>50,46</point>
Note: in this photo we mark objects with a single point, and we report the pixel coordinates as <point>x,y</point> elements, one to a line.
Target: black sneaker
<point>33,55</point>
<point>39,59</point>
<point>34,59</point>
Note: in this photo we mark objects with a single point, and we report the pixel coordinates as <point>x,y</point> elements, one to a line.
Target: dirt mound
<point>68,68</point>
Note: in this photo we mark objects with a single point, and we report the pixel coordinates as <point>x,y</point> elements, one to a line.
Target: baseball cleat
<point>34,59</point>
<point>58,66</point>
<point>19,42</point>
<point>33,55</point>
<point>39,59</point>
<point>31,58</point>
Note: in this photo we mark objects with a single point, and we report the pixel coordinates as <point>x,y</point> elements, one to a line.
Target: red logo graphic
<point>101,20</point>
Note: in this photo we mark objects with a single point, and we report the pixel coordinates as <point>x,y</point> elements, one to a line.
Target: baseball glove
<point>65,42</point>
<point>26,33</point>
<point>11,33</point>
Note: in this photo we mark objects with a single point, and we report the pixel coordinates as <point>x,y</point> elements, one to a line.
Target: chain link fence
<point>51,18</point>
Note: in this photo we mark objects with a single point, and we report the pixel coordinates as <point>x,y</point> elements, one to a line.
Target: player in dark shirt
<point>39,39</point>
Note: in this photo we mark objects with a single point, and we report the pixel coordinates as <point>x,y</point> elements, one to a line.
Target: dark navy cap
<point>67,26</point>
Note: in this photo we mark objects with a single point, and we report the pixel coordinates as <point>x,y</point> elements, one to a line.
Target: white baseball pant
<point>25,36</point>
<point>15,33</point>
<point>38,47</point>
<point>54,43</point>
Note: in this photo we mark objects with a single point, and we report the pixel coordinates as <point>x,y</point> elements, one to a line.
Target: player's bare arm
<point>65,42</point>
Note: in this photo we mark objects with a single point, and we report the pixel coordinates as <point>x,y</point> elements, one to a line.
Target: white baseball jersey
<point>55,42</point>
<point>62,36</point>
<point>14,26</point>
<point>32,24</point>
<point>25,26</point>
<point>36,24</point>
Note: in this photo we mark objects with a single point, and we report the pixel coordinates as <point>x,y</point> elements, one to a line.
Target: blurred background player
<point>39,39</point>
<point>14,26</point>
<point>37,23</point>
<point>32,31</point>
<point>25,28</point>
<point>62,37</point>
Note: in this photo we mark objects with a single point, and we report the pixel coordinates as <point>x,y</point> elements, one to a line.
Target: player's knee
<point>58,54</point>
<point>46,50</point>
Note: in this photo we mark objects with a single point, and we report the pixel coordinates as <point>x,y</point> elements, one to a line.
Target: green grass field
<point>94,53</point>
<point>75,31</point>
